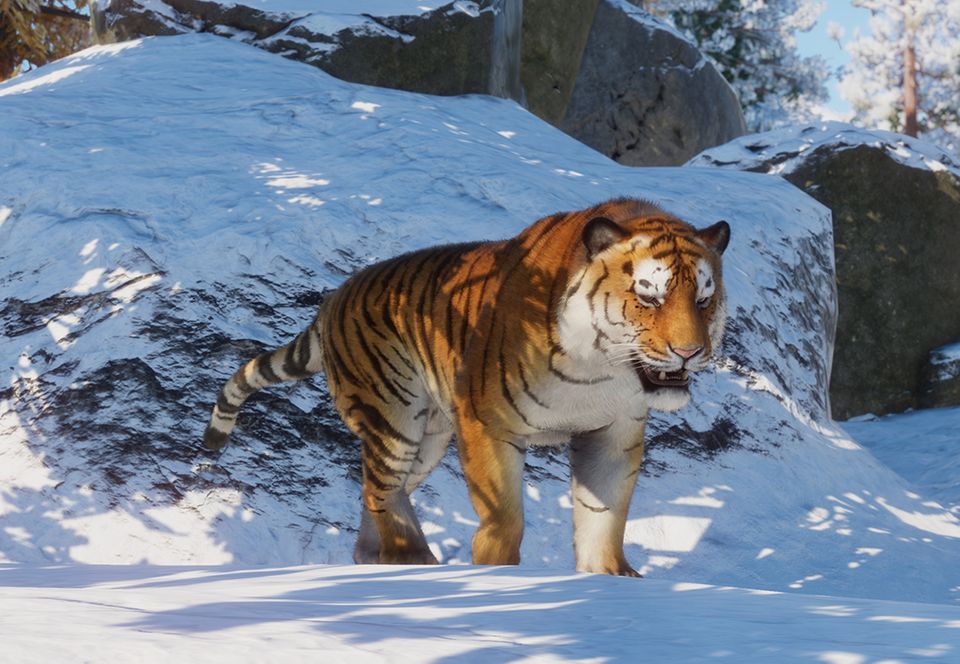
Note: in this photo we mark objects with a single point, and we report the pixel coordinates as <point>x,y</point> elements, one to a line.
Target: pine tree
<point>905,76</point>
<point>753,42</point>
<point>33,33</point>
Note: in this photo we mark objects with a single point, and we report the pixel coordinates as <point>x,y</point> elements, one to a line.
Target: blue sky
<point>816,42</point>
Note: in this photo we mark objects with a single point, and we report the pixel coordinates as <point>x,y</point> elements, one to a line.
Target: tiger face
<point>650,298</point>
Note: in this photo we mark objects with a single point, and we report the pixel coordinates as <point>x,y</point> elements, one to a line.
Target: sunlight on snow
<point>283,179</point>
<point>941,523</point>
<point>667,532</point>
<point>839,657</point>
<point>4,214</point>
<point>40,81</point>
<point>365,106</point>
<point>704,499</point>
<point>95,52</point>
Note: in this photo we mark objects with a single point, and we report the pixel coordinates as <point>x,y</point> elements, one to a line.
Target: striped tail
<point>299,359</point>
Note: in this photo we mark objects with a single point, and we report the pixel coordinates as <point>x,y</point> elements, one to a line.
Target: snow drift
<point>161,222</point>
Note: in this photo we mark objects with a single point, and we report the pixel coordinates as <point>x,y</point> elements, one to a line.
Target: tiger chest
<point>552,408</point>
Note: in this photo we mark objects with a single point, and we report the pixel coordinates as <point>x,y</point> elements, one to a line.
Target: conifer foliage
<point>34,32</point>
<point>753,42</point>
<point>905,75</point>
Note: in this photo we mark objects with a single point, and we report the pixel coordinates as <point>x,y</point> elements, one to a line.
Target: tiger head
<point>649,296</point>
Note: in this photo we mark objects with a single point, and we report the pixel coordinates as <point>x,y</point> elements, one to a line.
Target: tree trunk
<point>910,81</point>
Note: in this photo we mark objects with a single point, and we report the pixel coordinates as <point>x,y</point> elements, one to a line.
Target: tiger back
<point>571,331</point>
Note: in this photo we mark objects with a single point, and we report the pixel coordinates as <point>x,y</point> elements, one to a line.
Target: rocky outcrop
<point>896,219</point>
<point>605,72</point>
<point>644,96</point>
<point>940,378</point>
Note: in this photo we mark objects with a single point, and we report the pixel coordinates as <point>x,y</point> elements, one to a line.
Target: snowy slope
<point>168,207</point>
<point>460,614</point>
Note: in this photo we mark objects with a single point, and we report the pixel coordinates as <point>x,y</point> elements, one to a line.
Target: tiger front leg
<point>604,467</point>
<point>493,466</point>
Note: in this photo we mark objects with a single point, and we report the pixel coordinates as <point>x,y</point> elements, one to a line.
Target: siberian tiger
<point>571,331</point>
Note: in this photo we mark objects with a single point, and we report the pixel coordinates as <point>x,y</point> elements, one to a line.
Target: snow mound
<point>161,222</point>
<point>781,151</point>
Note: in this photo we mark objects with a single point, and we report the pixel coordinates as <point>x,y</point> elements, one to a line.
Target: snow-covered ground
<point>447,614</point>
<point>197,189</point>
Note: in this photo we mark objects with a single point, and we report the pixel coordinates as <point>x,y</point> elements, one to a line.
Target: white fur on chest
<point>557,408</point>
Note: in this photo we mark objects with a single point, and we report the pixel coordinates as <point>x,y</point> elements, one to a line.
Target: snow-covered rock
<point>896,216</point>
<point>940,378</point>
<point>161,222</point>
<point>608,73</point>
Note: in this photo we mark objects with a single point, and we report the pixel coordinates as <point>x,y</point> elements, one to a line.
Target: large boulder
<point>896,219</point>
<point>644,95</point>
<point>603,71</point>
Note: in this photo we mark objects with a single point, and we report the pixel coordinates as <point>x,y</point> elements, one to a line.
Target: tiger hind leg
<point>431,451</point>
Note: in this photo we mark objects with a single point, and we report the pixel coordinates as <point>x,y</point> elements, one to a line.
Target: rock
<point>606,72</point>
<point>940,378</point>
<point>644,95</point>
<point>458,48</point>
<point>896,205</point>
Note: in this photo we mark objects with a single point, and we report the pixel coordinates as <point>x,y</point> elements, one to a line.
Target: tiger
<point>569,332</point>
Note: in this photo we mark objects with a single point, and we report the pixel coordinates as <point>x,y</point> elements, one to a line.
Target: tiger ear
<point>601,233</point>
<point>717,236</point>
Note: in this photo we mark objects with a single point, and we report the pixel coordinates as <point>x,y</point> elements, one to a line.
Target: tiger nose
<point>687,352</point>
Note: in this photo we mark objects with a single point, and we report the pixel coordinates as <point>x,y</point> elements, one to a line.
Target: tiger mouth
<point>653,379</point>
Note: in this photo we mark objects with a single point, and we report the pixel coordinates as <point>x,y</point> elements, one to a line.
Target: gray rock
<point>896,209</point>
<point>940,378</point>
<point>644,96</point>
<point>459,48</point>
<point>607,73</point>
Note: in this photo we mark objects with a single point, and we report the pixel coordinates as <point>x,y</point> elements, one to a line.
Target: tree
<point>33,33</point>
<point>753,42</point>
<point>905,75</point>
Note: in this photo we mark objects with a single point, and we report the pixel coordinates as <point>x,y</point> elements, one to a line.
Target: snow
<point>922,446</point>
<point>781,151</point>
<point>463,614</point>
<point>144,180</point>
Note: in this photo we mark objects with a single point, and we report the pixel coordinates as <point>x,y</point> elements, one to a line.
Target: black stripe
<point>371,324</point>
<point>242,383</point>
<point>379,422</point>
<point>391,365</point>
<point>375,364</point>
<point>570,379</point>
<point>505,390</point>
<point>378,451</point>
<point>338,362</point>
<point>598,510</point>
<point>225,406</point>
<point>527,390</point>
<point>465,323</point>
<point>512,444</point>
<point>263,366</point>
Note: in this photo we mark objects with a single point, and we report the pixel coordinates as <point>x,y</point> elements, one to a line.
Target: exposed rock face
<point>644,96</point>
<point>605,72</point>
<point>896,218</point>
<point>940,378</point>
<point>458,48</point>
